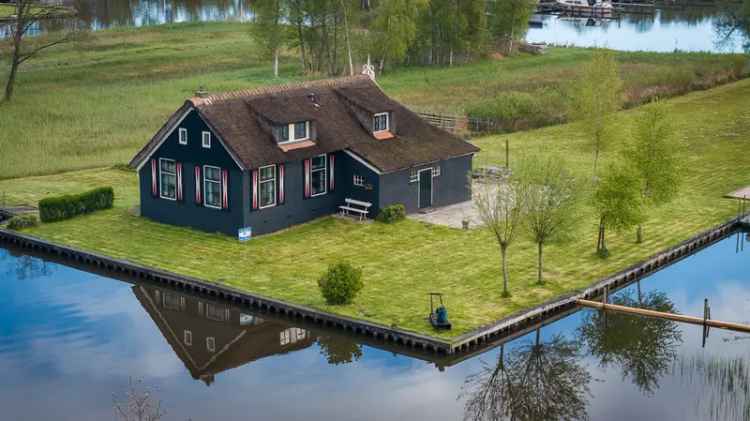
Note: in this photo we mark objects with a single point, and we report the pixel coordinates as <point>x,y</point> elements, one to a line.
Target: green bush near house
<point>64,207</point>
<point>391,214</point>
<point>341,283</point>
<point>18,223</point>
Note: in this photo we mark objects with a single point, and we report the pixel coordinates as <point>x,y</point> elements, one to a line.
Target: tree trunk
<point>348,43</point>
<point>504,253</point>
<point>540,278</point>
<point>596,158</point>
<point>15,60</point>
<point>11,80</point>
<point>639,234</point>
<point>276,63</point>
<point>301,38</point>
<point>602,244</point>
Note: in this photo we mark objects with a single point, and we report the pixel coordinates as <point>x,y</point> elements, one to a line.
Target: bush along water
<point>392,213</point>
<point>18,223</point>
<point>64,207</point>
<point>341,283</point>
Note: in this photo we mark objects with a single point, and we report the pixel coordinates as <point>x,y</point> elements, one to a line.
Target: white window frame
<point>292,138</point>
<point>183,136</point>
<point>161,190</point>
<point>358,180</point>
<point>211,344</point>
<point>436,171</point>
<point>325,174</point>
<point>187,337</point>
<point>387,122</point>
<point>206,139</point>
<point>261,182</point>
<point>205,191</point>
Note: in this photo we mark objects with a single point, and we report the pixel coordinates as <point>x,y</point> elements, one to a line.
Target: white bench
<point>358,207</point>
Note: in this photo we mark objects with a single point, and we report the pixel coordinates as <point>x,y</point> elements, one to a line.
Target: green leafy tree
<point>268,29</point>
<point>618,203</point>
<point>550,205</point>
<point>501,208</point>
<point>596,97</point>
<point>653,156</point>
<point>395,29</point>
<point>510,20</point>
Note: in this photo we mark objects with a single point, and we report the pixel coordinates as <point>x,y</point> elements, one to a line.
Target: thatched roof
<point>243,121</point>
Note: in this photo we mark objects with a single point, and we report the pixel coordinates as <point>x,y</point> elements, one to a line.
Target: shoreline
<point>474,340</point>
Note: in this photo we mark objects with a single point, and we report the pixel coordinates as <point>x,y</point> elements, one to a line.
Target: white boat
<point>600,8</point>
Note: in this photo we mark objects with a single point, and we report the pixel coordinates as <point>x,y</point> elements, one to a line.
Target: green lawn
<point>96,102</point>
<point>405,261</point>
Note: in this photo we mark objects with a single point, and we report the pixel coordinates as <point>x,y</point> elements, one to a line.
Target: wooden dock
<point>701,321</point>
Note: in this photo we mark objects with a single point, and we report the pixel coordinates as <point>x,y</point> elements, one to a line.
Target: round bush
<point>392,213</point>
<point>341,283</point>
<point>18,223</point>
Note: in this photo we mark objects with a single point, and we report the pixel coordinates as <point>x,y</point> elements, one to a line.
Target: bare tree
<point>138,404</point>
<point>501,208</point>
<point>27,14</point>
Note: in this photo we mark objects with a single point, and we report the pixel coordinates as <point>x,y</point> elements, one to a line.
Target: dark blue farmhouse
<point>270,158</point>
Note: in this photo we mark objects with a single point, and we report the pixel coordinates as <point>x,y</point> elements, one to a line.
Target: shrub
<point>23,221</point>
<point>392,213</point>
<point>341,283</point>
<point>65,207</point>
<point>522,110</point>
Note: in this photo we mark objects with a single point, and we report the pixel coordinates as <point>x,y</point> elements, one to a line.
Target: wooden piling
<point>663,315</point>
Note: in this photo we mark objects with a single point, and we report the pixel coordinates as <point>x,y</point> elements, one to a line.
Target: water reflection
<point>537,380</point>
<point>644,348</point>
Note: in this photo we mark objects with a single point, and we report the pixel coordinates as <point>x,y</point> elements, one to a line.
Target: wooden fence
<point>463,125</point>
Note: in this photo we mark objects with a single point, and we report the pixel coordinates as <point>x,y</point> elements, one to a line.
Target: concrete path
<point>450,216</point>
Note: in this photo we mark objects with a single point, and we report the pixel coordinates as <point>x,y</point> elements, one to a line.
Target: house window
<point>359,180</point>
<point>413,175</point>
<point>268,186</point>
<point>171,301</point>
<point>215,312</point>
<point>299,131</point>
<point>187,337</point>
<point>183,136</point>
<point>319,175</point>
<point>206,139</point>
<point>380,122</point>
<point>212,187</point>
<point>167,179</point>
<point>436,171</point>
<point>211,344</point>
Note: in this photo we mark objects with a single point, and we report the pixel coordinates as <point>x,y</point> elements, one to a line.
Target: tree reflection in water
<point>540,380</point>
<point>734,18</point>
<point>339,350</point>
<point>724,384</point>
<point>644,348</point>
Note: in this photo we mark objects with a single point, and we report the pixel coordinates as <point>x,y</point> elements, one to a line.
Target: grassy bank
<point>714,130</point>
<point>95,102</point>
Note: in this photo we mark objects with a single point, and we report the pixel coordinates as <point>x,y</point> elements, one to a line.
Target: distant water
<point>71,341</point>
<point>663,31</point>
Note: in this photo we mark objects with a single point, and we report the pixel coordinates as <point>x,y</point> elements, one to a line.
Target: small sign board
<point>245,234</point>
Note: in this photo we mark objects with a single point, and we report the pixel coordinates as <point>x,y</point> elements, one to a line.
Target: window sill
<point>290,146</point>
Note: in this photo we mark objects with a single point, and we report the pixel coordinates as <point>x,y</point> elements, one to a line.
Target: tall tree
<point>395,28</point>
<point>510,20</point>
<point>653,156</point>
<point>501,208</point>
<point>551,203</point>
<point>269,30</point>
<point>27,14</point>
<point>618,203</point>
<point>597,95</point>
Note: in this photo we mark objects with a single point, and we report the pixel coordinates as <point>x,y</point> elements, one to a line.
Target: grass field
<point>95,102</point>
<point>714,132</point>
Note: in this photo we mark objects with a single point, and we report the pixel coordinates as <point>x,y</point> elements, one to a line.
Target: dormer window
<point>293,132</point>
<point>380,123</point>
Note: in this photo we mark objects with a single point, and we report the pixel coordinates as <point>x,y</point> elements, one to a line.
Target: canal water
<point>71,342</point>
<point>659,29</point>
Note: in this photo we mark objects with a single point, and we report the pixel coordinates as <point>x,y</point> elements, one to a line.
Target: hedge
<point>59,208</point>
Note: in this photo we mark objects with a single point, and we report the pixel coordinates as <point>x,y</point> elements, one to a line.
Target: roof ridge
<point>272,89</point>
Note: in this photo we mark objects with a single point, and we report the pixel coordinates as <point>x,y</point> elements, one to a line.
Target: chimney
<point>368,69</point>
<point>201,92</point>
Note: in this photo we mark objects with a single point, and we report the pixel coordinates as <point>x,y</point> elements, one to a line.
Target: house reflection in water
<point>212,337</point>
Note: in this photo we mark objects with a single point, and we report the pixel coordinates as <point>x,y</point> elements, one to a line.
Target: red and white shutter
<point>198,184</point>
<point>332,172</point>
<point>224,189</point>
<point>154,181</point>
<point>178,169</point>
<point>281,184</point>
<point>255,189</point>
<point>308,177</point>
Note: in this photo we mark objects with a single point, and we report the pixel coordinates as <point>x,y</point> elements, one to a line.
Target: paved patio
<point>451,216</point>
<point>743,193</point>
